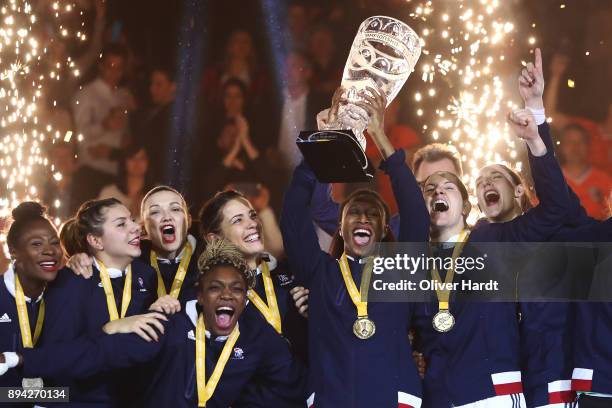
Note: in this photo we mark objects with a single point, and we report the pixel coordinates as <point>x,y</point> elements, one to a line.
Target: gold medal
<point>443,321</point>
<point>364,328</point>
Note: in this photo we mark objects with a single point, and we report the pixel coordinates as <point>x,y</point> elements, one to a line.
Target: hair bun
<point>28,210</point>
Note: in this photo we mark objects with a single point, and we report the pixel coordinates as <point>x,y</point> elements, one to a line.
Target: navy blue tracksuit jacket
<point>344,370</point>
<point>485,339</point>
<point>76,307</point>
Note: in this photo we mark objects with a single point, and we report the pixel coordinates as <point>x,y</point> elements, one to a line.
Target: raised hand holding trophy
<point>383,55</point>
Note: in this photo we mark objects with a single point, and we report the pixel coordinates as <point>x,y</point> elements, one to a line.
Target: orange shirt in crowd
<point>601,144</point>
<point>593,189</point>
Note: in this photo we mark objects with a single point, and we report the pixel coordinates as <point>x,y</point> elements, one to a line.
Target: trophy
<point>383,55</point>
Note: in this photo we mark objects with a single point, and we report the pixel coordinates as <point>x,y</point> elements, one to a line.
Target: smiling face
<point>223,298</point>
<point>38,253</point>
<point>362,226</point>
<point>498,197</point>
<point>166,221</point>
<point>242,227</point>
<point>120,240</point>
<point>444,202</point>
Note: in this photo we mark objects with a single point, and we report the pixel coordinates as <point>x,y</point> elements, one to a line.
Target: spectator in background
<point>65,84</point>
<point>154,129</point>
<point>600,134</point>
<point>61,194</point>
<point>228,153</point>
<point>591,185</point>
<point>133,180</point>
<point>297,25</point>
<point>298,109</point>
<point>239,61</point>
<point>100,114</point>
<point>327,72</point>
<point>435,157</point>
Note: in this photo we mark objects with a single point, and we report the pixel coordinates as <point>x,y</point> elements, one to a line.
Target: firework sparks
<point>465,41</point>
<point>26,65</point>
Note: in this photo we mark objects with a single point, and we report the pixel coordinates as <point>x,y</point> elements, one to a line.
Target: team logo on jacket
<point>238,354</point>
<point>141,284</point>
<point>284,279</point>
<point>191,335</point>
<point>5,318</point>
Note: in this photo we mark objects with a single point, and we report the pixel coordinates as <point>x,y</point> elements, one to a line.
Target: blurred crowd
<point>254,99</point>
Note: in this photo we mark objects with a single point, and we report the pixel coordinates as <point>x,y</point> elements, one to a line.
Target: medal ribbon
<point>24,322</point>
<point>206,389</point>
<point>270,310</point>
<point>362,306</point>
<point>110,296</point>
<point>444,294</point>
<point>179,278</point>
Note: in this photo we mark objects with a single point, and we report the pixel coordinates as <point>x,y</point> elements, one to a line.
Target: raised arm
<point>413,214</point>
<point>89,355</point>
<point>414,217</point>
<point>299,236</point>
<point>531,88</point>
<point>558,67</point>
<point>541,222</point>
<point>325,211</point>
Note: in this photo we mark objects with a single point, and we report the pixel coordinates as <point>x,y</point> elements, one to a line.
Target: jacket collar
<point>191,239</point>
<point>9,281</point>
<point>112,272</point>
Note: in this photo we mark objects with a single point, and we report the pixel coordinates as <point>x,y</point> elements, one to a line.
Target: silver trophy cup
<point>384,53</point>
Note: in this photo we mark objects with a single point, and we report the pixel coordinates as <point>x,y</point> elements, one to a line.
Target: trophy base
<point>335,156</point>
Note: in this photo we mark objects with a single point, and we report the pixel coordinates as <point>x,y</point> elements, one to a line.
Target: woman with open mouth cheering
<point>169,248</point>
<point>360,355</point>
<point>454,335</point>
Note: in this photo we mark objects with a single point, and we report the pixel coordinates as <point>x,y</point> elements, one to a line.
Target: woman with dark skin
<point>36,257</point>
